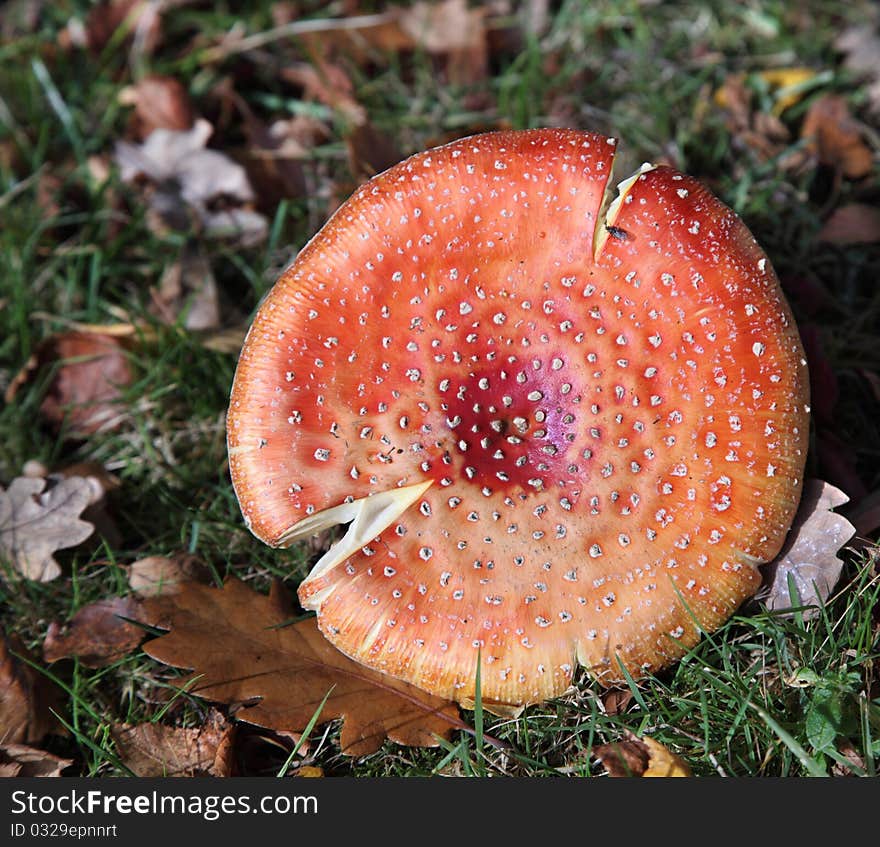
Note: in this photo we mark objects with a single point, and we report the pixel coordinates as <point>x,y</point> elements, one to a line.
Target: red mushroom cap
<point>559,438</point>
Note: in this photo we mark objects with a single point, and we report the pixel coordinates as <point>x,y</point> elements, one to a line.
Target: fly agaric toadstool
<point>560,434</point>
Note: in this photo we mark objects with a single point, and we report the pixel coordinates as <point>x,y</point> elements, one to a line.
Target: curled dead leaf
<point>183,171</point>
<point>640,756</point>
<point>98,634</point>
<point>188,288</point>
<point>835,138</point>
<point>27,697</point>
<point>160,102</point>
<point>810,554</point>
<point>19,760</point>
<point>244,649</point>
<point>89,371</point>
<point>159,576</point>
<point>34,523</point>
<point>153,749</point>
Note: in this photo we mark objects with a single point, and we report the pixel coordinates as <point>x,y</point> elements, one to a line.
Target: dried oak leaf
<point>243,649</point>
<point>185,173</point>
<point>98,634</point>
<point>188,287</point>
<point>84,391</point>
<point>809,556</point>
<point>21,760</point>
<point>160,102</point>
<point>27,697</point>
<point>836,138</point>
<point>159,576</point>
<point>643,756</point>
<point>153,749</point>
<point>35,523</point>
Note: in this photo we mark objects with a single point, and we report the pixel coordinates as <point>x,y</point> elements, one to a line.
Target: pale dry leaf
<point>861,47</point>
<point>34,523</point>
<point>810,554</point>
<point>158,576</point>
<point>153,749</point>
<point>98,634</point>
<point>188,287</point>
<point>19,760</point>
<point>182,168</point>
<point>244,649</point>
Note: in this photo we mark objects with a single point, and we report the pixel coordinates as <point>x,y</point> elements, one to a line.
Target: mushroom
<point>561,431</point>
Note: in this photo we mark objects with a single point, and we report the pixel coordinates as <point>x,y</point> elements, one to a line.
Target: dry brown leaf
<point>329,84</point>
<point>98,634</point>
<point>370,151</point>
<point>27,697</point>
<point>761,133</point>
<point>809,555</point>
<point>836,138</point>
<point>855,223</point>
<point>153,749</point>
<point>242,648</point>
<point>159,576</point>
<point>643,757</point>
<point>23,761</point>
<point>34,523</point>
<point>188,288</point>
<point>160,102</point>
<point>85,388</point>
<point>453,29</point>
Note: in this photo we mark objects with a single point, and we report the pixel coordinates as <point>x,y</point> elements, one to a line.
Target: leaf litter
<point>36,522</point>
<point>244,649</point>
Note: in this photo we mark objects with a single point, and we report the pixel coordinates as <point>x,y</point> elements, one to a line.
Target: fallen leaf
<point>615,701</point>
<point>185,172</point>
<point>159,576</point>
<point>836,138</point>
<point>160,102</point>
<point>19,760</point>
<point>243,648</point>
<point>153,749</point>
<point>855,223</point>
<point>27,697</point>
<point>188,288</point>
<point>139,19</point>
<point>98,634</point>
<point>309,772</point>
<point>860,45</point>
<point>809,555</point>
<point>760,133</point>
<point>370,151</point>
<point>643,757</point>
<point>35,523</point>
<point>453,29</point>
<point>84,390</point>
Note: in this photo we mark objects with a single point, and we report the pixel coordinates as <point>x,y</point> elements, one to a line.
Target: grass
<point>766,695</point>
